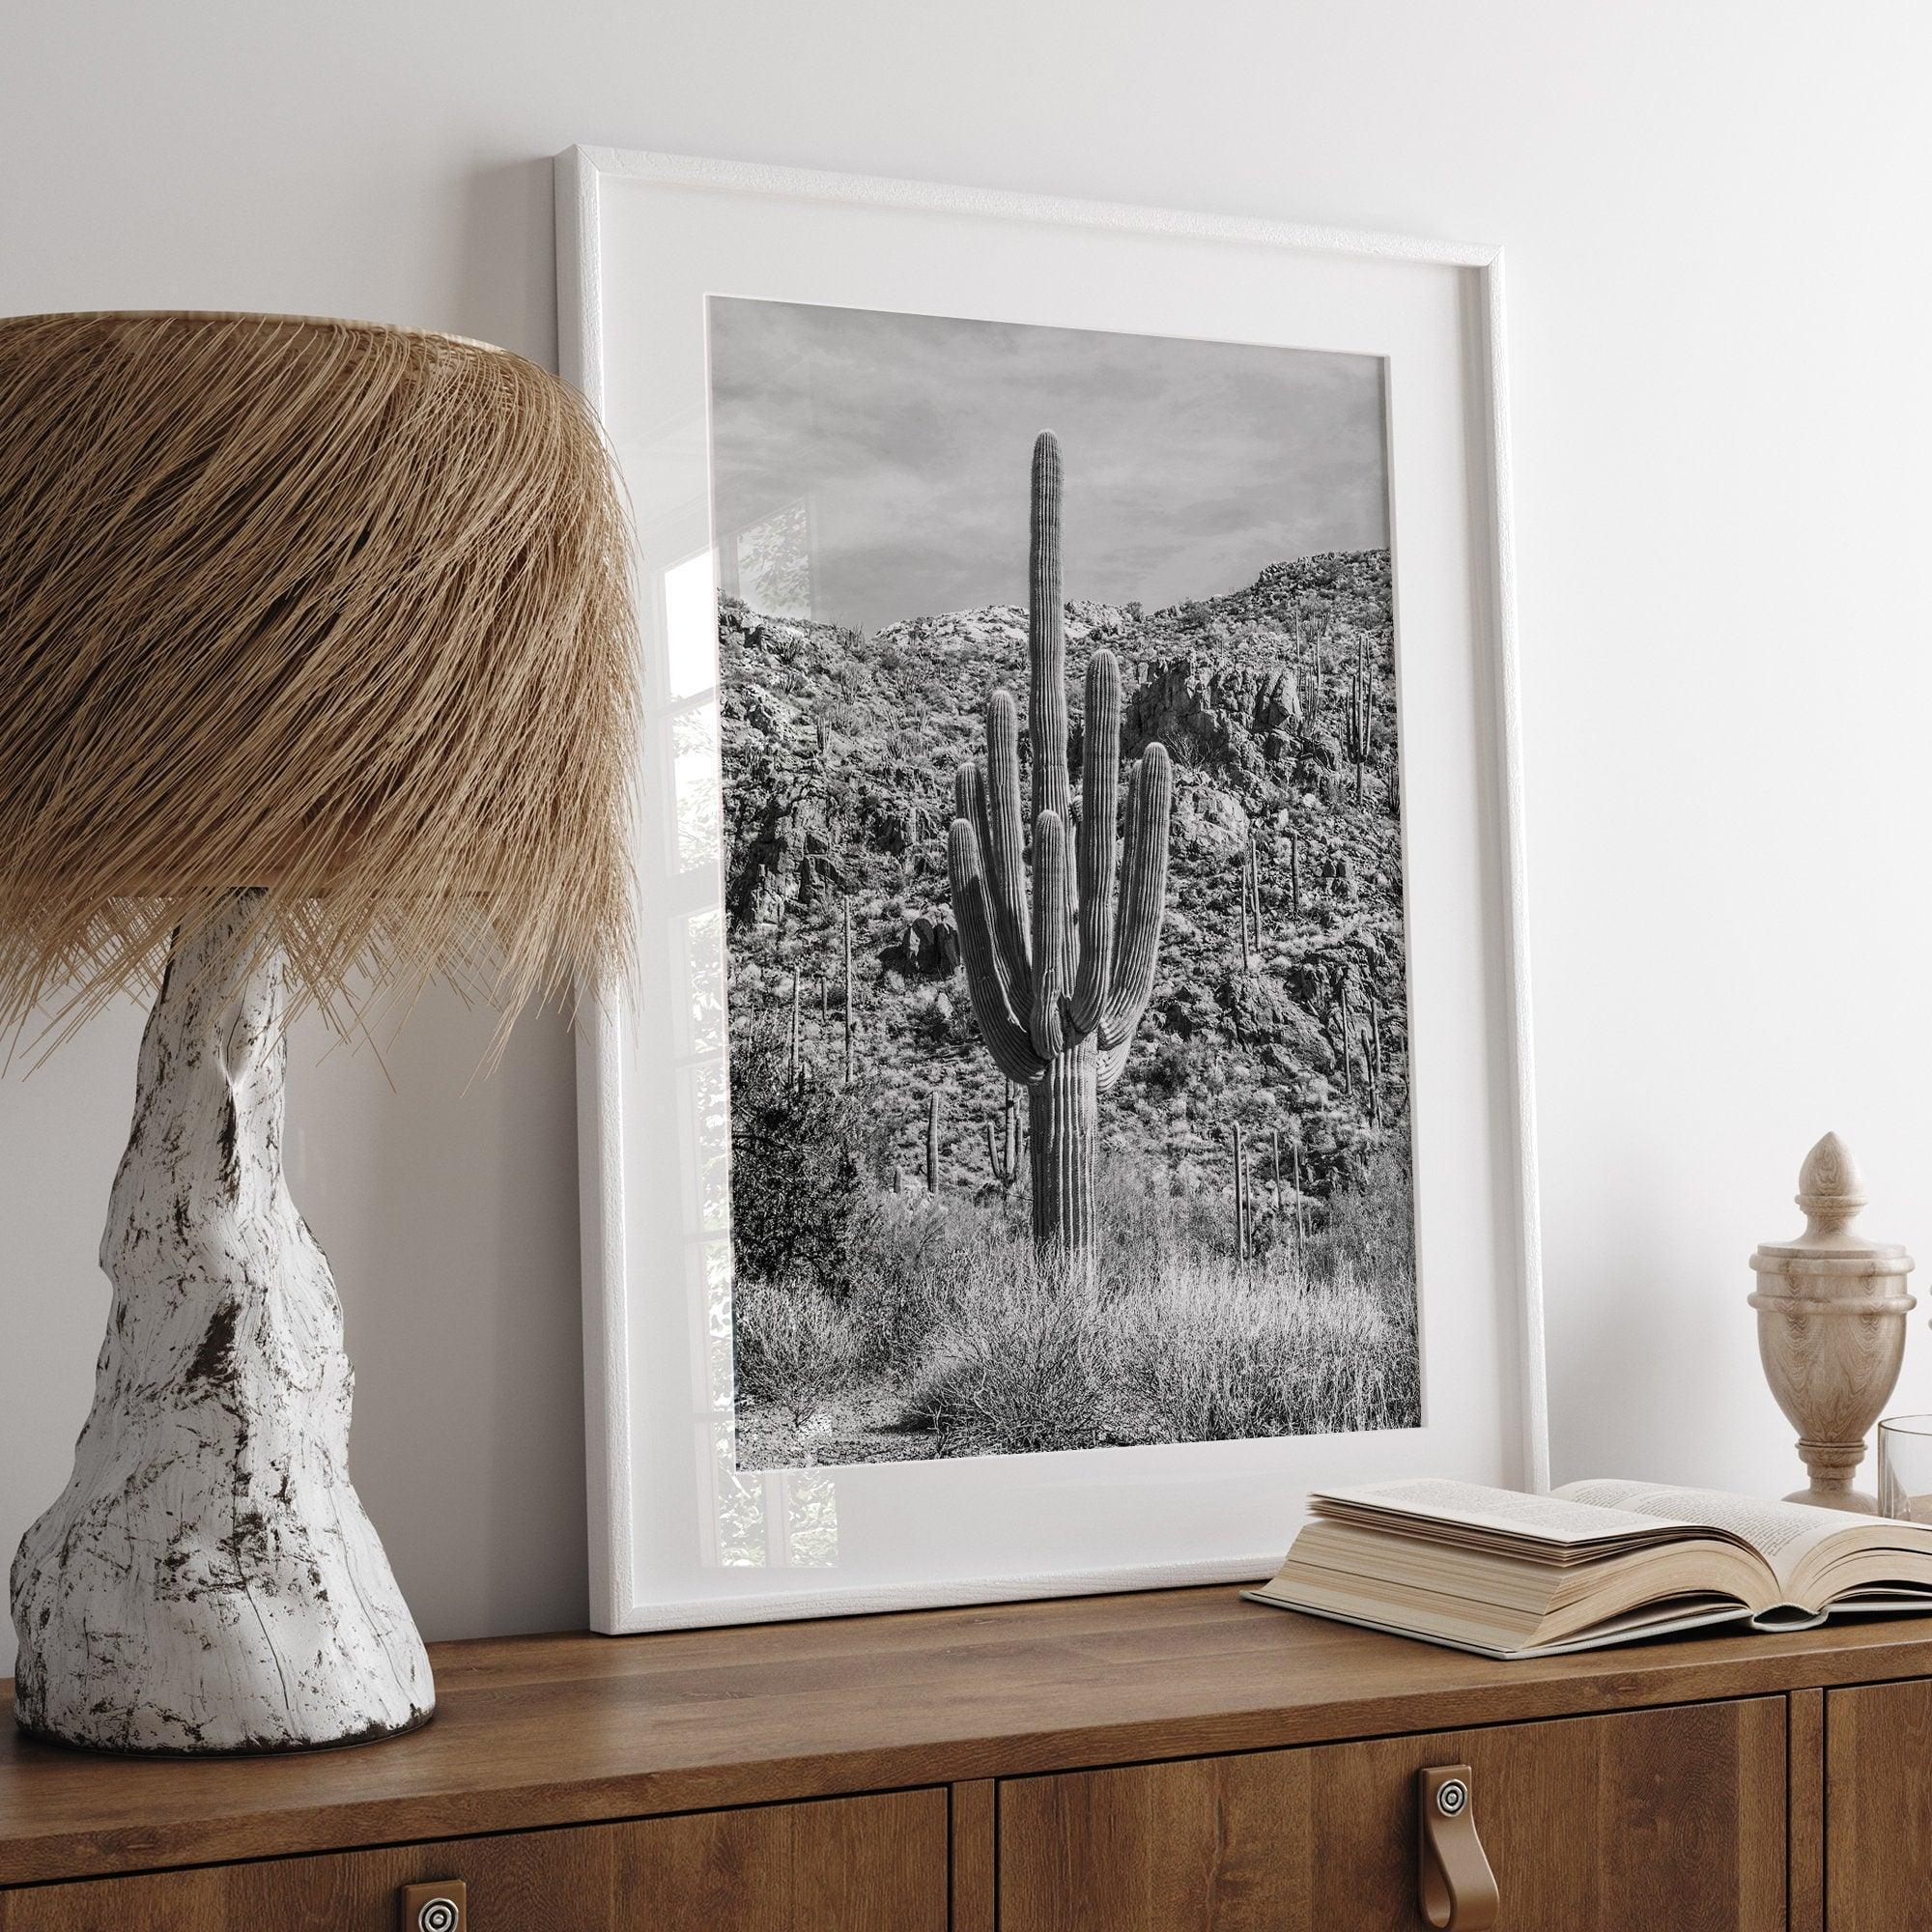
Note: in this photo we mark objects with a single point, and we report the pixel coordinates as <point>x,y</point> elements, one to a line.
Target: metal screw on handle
<point>439,1907</point>
<point>1454,1884</point>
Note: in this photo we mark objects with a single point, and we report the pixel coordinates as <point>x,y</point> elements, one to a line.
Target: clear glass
<point>1905,1467</point>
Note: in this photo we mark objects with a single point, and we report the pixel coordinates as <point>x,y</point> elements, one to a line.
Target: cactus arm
<point>1047,1024</point>
<point>1047,695</point>
<point>1003,845</point>
<point>1143,895</point>
<point>1111,1062</point>
<point>1005,1037</point>
<point>1016,982</point>
<point>1098,841</point>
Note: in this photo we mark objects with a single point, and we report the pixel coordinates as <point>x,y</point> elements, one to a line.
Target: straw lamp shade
<point>331,610</point>
<point>317,680</point>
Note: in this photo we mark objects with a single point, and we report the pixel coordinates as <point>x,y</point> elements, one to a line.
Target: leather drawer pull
<point>1454,1884</point>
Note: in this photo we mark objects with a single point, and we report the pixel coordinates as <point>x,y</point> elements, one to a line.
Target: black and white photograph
<point>1068,1050</point>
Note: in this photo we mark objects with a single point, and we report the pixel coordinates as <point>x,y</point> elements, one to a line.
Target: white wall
<point>1717,302</point>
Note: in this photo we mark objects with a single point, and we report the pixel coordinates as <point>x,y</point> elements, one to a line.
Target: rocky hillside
<point>839,760</point>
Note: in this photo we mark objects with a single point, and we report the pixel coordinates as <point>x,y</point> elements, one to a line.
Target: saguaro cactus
<point>1059,979</point>
<point>848,992</point>
<point>1361,715</point>
<point>797,1065</point>
<point>1347,1039</point>
<point>1242,1208</point>
<point>1373,1049</point>
<point>1003,1157</point>
<point>1251,891</point>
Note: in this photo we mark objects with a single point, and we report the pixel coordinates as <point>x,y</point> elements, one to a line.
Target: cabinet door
<point>1671,1821</point>
<point>1878,1808</point>
<point>846,1864</point>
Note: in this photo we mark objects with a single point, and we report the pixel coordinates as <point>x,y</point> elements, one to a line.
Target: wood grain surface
<point>1804,1786</point>
<point>569,1730</point>
<point>1878,1808</point>
<point>1661,1818</point>
<point>975,1857</point>
<point>849,1864</point>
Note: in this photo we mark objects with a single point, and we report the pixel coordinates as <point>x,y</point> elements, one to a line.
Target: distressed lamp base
<point>208,1582</point>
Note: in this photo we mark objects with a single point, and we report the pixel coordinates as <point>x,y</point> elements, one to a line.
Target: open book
<point>1590,1564</point>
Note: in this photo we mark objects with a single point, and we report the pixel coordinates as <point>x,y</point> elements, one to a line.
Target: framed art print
<point>1076,1097</point>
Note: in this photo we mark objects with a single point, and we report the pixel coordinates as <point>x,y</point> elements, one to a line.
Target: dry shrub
<point>792,1349</point>
<point>1017,1363</point>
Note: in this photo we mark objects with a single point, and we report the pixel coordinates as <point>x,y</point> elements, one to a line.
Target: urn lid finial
<point>1832,1191</point>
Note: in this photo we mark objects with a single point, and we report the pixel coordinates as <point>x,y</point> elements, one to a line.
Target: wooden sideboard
<point>1172,1762</point>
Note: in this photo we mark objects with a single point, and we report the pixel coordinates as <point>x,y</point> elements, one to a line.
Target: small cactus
<point>1361,721</point>
<point>1255,890</point>
<point>1240,1199</point>
<point>1347,1039</point>
<point>1247,910</point>
<point>1251,907</point>
<point>932,1141</point>
<point>1372,1047</point>
<point>797,1070</point>
<point>1003,1157</point>
<point>848,992</point>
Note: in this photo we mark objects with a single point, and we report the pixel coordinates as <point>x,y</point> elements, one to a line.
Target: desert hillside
<point>839,761</point>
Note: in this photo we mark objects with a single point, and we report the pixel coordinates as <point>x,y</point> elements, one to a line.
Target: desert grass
<point>1162,1339</point>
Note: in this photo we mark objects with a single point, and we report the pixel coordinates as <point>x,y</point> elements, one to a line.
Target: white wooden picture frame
<point>679,1536</point>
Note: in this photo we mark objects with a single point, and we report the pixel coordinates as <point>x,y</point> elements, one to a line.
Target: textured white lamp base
<point>207,1580</point>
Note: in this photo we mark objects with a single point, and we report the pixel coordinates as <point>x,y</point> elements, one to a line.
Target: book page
<point>1558,1518</point>
<point>1782,1533</point>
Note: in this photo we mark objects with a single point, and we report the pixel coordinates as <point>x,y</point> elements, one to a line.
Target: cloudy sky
<point>1189,465</point>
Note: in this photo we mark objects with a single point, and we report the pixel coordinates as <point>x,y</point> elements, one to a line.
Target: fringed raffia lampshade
<point>331,610</point>
<point>317,675</point>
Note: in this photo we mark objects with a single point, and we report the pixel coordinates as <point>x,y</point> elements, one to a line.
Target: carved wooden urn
<point>1831,1325</point>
